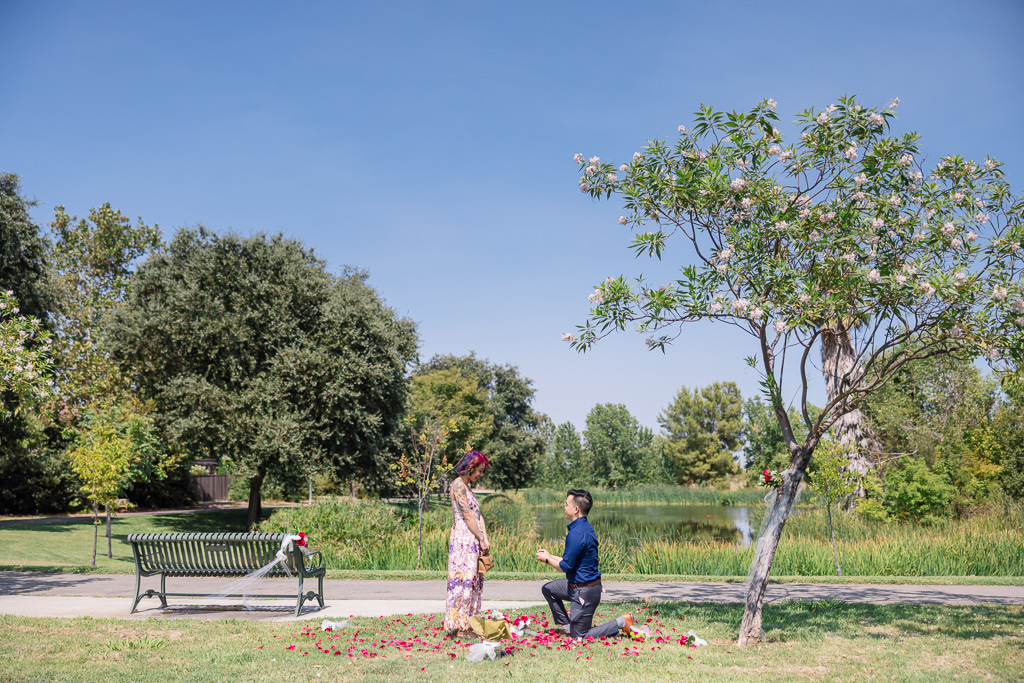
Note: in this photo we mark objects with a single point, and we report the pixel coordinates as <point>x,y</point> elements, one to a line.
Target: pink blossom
<point>785,155</point>
<point>901,279</point>
<point>804,298</point>
<point>747,202</point>
<point>738,184</point>
<point>781,225</point>
<point>831,108</point>
<point>873,240</point>
<point>894,200</point>
<point>850,258</point>
<point>1018,305</point>
<point>611,177</point>
<point>814,236</point>
<point>911,269</point>
<point>894,102</point>
<point>805,214</point>
<point>829,216</point>
<point>999,293</point>
<point>990,164</point>
<point>956,243</point>
<point>584,187</point>
<point>917,176</point>
<point>623,167</point>
<point>740,305</point>
<point>877,119</point>
<point>851,153</point>
<point>906,160</point>
<point>981,218</point>
<point>780,326</point>
<point>578,158</point>
<point>772,104</point>
<point>948,228</point>
<point>594,161</point>
<point>757,314</point>
<point>682,129</point>
<point>725,254</point>
<point>960,277</point>
<point>590,171</point>
<point>860,179</point>
<point>721,268</point>
<point>597,297</point>
<point>715,306</point>
<point>858,196</point>
<point>774,150</point>
<point>566,337</point>
<point>623,220</point>
<point>927,288</point>
<point>958,196</point>
<point>877,224</point>
<point>972,236</point>
<point>822,119</point>
<point>956,332</point>
<point>637,156</point>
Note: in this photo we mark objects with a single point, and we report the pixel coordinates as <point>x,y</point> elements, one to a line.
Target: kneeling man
<point>582,583</point>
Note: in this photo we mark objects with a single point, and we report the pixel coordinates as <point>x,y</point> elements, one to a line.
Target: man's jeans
<point>581,612</point>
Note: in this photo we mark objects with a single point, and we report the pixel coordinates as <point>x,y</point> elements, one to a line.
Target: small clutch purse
<point>484,563</point>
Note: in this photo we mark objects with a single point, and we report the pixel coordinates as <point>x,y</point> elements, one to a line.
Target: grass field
<point>804,641</point>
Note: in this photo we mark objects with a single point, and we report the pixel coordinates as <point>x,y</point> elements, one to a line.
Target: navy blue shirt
<point>579,561</point>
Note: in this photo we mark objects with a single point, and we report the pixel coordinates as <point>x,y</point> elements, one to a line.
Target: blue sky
<point>432,143</point>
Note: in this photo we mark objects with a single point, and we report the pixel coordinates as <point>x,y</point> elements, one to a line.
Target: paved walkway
<point>99,595</point>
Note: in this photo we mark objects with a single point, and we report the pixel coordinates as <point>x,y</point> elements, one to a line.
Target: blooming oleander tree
<point>841,242</point>
<point>24,356</point>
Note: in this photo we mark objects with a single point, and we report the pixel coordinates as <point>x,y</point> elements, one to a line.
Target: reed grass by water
<point>652,494</point>
<point>984,545</point>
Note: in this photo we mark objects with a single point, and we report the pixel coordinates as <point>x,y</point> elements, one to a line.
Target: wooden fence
<point>213,487</point>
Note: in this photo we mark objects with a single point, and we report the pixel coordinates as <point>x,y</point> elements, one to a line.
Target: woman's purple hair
<point>470,460</point>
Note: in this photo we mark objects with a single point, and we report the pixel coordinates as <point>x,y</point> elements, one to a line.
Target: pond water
<point>673,522</point>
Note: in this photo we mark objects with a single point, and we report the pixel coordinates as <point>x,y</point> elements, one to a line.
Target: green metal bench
<point>220,555</point>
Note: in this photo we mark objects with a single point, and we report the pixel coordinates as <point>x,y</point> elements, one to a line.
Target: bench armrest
<point>319,558</point>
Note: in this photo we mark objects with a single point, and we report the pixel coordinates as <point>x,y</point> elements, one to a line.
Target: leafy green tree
<point>701,429</point>
<point>1008,428</point>
<point>423,466</point>
<point>92,263</point>
<point>33,466</point>
<point>117,447</point>
<point>841,242</point>
<point>515,445</point>
<point>254,355</point>
<point>830,482</point>
<point>448,397</point>
<point>564,458</point>
<point>619,451</point>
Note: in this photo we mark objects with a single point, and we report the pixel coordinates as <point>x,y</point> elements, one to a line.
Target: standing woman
<point>468,540</point>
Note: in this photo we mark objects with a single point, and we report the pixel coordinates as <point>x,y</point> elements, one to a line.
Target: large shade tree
<point>255,354</point>
<point>515,443</point>
<point>840,245</point>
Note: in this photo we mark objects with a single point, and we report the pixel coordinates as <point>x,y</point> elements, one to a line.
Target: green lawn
<point>804,641</point>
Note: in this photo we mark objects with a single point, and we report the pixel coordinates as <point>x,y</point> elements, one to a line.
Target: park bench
<point>220,555</point>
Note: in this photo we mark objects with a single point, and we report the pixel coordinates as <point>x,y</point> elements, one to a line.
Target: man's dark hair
<point>583,500</point>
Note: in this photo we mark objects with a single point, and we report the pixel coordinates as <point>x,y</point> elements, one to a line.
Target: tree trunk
<point>95,530</point>
<point>835,552</point>
<point>419,546</point>
<point>838,360</point>
<point>255,502</point>
<point>110,553</point>
<point>764,552</point>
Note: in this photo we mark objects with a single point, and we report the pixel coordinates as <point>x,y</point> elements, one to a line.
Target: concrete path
<point>98,595</point>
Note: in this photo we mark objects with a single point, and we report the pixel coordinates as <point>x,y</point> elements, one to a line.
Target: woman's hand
<point>485,545</point>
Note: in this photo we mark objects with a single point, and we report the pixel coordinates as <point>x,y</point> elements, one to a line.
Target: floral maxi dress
<point>465,584</point>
